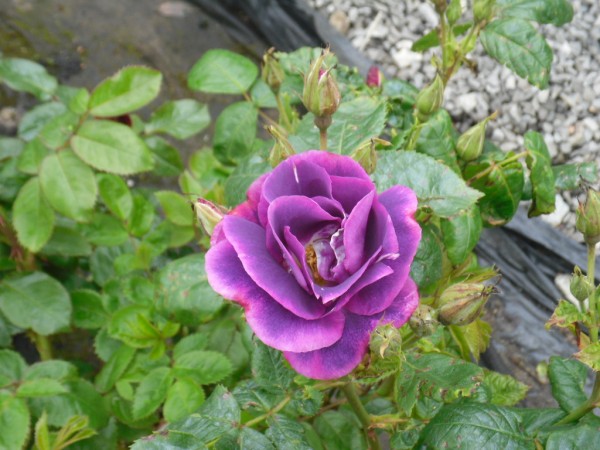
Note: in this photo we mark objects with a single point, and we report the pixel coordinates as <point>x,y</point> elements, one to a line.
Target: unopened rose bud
<point>463,303</point>
<point>386,339</point>
<point>581,288</point>
<point>483,10</point>
<point>470,143</point>
<point>282,148</point>
<point>208,214</point>
<point>453,11</point>
<point>366,155</point>
<point>321,95</point>
<point>272,73</point>
<point>423,321</point>
<point>430,99</point>
<point>588,218</point>
<point>374,77</point>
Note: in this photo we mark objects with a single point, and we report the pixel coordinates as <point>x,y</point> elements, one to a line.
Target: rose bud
<point>321,95</point>
<point>430,99</point>
<point>588,218</point>
<point>463,303</point>
<point>282,148</point>
<point>483,10</point>
<point>374,77</point>
<point>422,322</point>
<point>470,143</point>
<point>208,214</point>
<point>580,287</point>
<point>385,338</point>
<point>272,73</point>
<point>454,11</point>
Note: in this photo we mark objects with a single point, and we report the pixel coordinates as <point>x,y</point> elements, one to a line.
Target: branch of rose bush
<point>269,413</point>
<point>24,259</point>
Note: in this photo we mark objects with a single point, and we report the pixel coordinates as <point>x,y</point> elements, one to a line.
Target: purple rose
<point>318,260</point>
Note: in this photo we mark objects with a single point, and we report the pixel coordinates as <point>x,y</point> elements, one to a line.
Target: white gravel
<point>567,113</point>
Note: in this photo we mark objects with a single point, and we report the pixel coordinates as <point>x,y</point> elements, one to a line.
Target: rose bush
<point>318,260</point>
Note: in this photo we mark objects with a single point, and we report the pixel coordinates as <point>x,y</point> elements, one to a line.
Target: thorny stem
<point>591,269</point>
<point>270,413</point>
<point>362,414</point>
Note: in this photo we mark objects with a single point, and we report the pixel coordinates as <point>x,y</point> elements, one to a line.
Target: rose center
<point>311,260</point>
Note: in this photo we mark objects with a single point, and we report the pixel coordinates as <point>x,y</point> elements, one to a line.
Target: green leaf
<point>169,440</point>
<point>183,291</point>
<point>54,369</point>
<point>250,439</point>
<point>115,194</point>
<point>235,132</point>
<point>10,147</point>
<point>436,186</point>
<point>541,175</point>
<point>204,367</point>
<point>42,436</point>
<point>32,156</point>
<point>575,438</point>
<point>34,120</point>
<point>88,310</point>
<point>474,338</point>
<point>14,421</point>
<point>516,44</point>
<point>58,130</point>
<point>40,387</point>
<point>437,140</point>
<point>570,176</point>
<point>127,90</point>
<point>206,168</point>
<point>152,392</point>
<point>506,390</point>
<point>192,342</point>
<point>262,95</point>
<point>183,398</point>
<point>556,12</point>
<point>567,377</point>
<point>338,432</point>
<point>176,207</point>
<point>36,301</point>
<point>355,122</point>
<point>227,338</point>
<point>436,376</point>
<point>426,268</point>
<point>287,434</point>
<point>461,234</point>
<point>222,72</point>
<point>114,368</point>
<point>12,366</point>
<point>33,218</point>
<point>104,230</point>
<point>248,170</point>
<point>142,216</point>
<point>27,76</point>
<point>431,39</point>
<point>112,147</point>
<point>69,185</point>
<point>180,119</point>
<point>218,415</point>
<point>269,367</point>
<point>502,183</point>
<point>590,356</point>
<point>167,160</point>
<point>476,426</point>
<point>66,241</point>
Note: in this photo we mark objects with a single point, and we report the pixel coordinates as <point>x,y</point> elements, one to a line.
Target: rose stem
<point>591,269</point>
<point>362,414</point>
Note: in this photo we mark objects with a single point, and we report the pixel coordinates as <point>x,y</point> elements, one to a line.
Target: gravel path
<point>567,113</point>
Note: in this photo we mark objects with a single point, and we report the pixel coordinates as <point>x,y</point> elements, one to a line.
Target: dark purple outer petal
<point>342,357</point>
<point>334,164</point>
<point>248,240</point>
<point>355,230</point>
<point>273,324</point>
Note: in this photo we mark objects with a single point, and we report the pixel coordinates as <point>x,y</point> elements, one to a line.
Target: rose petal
<point>249,242</point>
<point>349,191</point>
<point>355,229</point>
<point>273,324</point>
<point>334,164</point>
<point>401,204</point>
<point>342,357</point>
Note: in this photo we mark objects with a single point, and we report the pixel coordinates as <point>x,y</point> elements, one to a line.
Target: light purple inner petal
<point>273,324</point>
<point>355,228</point>
<point>249,242</point>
